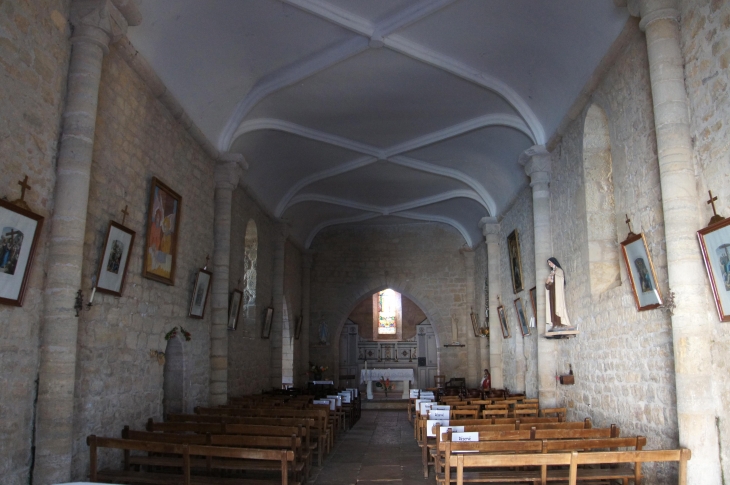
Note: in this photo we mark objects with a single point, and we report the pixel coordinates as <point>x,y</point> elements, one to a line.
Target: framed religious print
<point>715,245</point>
<point>515,261</point>
<point>200,293</point>
<point>163,225</point>
<point>475,324</point>
<point>298,328</point>
<point>641,272</point>
<point>19,233</point>
<point>268,319</point>
<point>503,321</point>
<point>113,267</point>
<point>520,309</point>
<point>234,308</point>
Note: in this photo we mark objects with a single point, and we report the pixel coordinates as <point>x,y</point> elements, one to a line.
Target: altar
<point>404,375</point>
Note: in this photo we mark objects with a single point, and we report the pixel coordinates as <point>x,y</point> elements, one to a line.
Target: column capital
<point>490,227</point>
<point>536,159</point>
<point>102,21</point>
<point>652,10</point>
<point>228,171</point>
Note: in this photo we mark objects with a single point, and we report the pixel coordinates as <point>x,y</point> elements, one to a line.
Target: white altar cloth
<point>369,375</point>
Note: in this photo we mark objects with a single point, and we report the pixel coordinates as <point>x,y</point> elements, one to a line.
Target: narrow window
<point>387,313</point>
<point>251,244</point>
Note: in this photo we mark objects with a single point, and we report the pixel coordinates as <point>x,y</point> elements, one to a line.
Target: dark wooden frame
<point>521,317</point>
<point>475,324</point>
<point>234,313</point>
<point>633,239</point>
<point>157,184</point>
<point>201,271</point>
<point>103,263</point>
<point>502,315</point>
<point>714,271</point>
<point>31,255</point>
<point>268,321</point>
<point>513,246</point>
<point>298,328</point>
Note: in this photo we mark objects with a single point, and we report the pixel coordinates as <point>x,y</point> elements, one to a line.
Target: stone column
<point>279,235</point>
<point>490,229</point>
<point>307,258</point>
<point>536,161</point>
<point>691,329</point>
<point>472,346</point>
<point>227,176</point>
<point>93,31</point>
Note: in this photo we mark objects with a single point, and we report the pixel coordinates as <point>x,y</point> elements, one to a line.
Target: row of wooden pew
<point>529,449</point>
<point>248,441</point>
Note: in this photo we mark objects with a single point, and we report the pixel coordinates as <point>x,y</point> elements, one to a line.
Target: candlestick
<point>93,292</point>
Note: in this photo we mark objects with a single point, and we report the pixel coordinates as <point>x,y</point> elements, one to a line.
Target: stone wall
<point>706,47</point>
<point>34,52</point>
<point>293,303</point>
<point>117,381</point>
<point>622,359</point>
<point>421,261</point>
<point>518,353</point>
<point>248,353</point>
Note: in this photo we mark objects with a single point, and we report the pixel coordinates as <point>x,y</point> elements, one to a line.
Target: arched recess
<point>603,253</point>
<point>173,386</point>
<point>250,256</point>
<point>430,310</point>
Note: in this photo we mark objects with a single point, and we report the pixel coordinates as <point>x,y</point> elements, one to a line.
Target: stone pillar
<point>472,346</point>
<point>490,229</point>
<point>279,235</point>
<point>227,176</point>
<point>691,329</point>
<point>536,161</point>
<point>93,31</point>
<point>307,258</point>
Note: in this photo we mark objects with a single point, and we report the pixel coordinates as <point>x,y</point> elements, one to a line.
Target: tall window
<point>251,244</point>
<point>387,313</point>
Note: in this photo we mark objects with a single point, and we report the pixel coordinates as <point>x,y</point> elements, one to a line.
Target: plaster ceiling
<point>378,111</point>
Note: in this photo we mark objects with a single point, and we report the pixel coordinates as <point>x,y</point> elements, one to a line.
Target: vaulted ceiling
<point>378,111</point>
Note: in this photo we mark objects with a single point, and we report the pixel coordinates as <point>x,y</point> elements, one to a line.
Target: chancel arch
<point>603,253</point>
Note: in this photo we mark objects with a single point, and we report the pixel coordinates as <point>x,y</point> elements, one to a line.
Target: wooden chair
<point>439,382</point>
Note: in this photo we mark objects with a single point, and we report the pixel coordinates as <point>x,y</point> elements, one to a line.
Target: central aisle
<point>380,448</point>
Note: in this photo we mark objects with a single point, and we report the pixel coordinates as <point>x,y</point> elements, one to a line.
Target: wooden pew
<point>185,455</point>
<point>545,446</point>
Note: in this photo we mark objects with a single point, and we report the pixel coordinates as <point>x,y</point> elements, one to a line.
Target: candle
<point>93,292</point>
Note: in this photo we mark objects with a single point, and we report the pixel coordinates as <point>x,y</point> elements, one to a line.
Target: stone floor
<point>379,449</point>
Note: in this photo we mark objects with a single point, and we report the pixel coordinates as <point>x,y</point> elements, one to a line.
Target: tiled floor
<point>379,449</point>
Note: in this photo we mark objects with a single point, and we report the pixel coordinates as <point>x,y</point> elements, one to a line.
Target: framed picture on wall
<point>234,308</point>
<point>200,293</point>
<point>475,324</point>
<point>268,319</point>
<point>715,245</point>
<point>533,301</point>
<point>515,261</point>
<point>641,272</point>
<point>503,321</point>
<point>19,232</point>
<point>520,309</point>
<point>298,328</point>
<point>163,225</point>
<point>113,267</point>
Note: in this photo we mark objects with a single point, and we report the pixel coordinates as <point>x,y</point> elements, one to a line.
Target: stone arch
<point>355,297</point>
<point>173,386</point>
<point>603,253</point>
<point>250,262</point>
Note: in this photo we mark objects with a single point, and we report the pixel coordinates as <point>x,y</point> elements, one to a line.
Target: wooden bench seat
<point>184,458</point>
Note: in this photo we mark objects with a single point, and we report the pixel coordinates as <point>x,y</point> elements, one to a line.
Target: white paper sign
<point>354,391</point>
<point>425,406</point>
<point>337,398</point>
<point>453,429</point>
<point>414,393</point>
<point>438,414</point>
<point>433,422</point>
<point>345,397</point>
<point>442,407</point>
<point>470,436</point>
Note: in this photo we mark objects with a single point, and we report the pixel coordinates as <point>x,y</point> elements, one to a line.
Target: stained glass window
<point>388,310</point>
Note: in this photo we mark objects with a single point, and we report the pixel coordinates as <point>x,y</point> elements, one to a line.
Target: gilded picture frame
<point>640,270</point>
<point>20,230</point>
<point>234,308</point>
<point>515,261</point>
<point>163,226</point>
<point>503,321</point>
<point>521,318</point>
<point>715,245</point>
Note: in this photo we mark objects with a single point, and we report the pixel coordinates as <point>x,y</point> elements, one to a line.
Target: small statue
<point>324,332</point>
<point>556,314</point>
